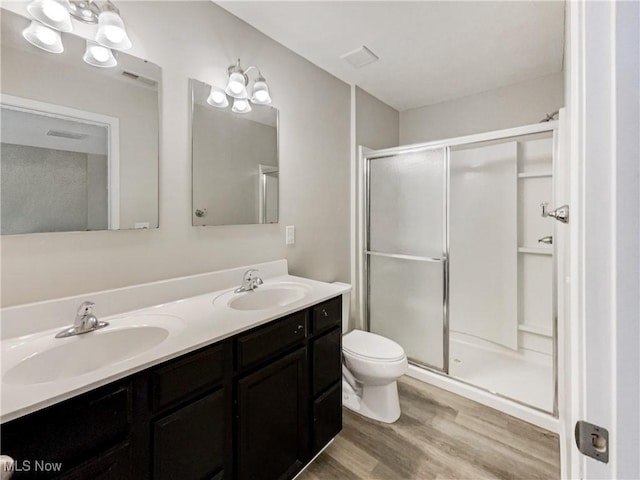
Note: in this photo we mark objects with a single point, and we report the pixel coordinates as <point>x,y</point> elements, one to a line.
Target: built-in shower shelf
<point>534,174</point>
<point>536,250</point>
<point>546,332</point>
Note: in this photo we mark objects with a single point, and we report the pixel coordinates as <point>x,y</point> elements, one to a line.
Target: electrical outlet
<point>290,237</point>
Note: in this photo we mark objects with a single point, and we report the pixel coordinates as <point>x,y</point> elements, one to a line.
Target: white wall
<point>512,106</point>
<point>200,40</point>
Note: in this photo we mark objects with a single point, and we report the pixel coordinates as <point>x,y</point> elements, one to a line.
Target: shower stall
<point>458,262</point>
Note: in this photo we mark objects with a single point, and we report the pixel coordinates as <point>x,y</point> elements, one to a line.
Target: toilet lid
<point>370,345</point>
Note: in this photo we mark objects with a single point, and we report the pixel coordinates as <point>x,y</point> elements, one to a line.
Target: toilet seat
<point>369,346</point>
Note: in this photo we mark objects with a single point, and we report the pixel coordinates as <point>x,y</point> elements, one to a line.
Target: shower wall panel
<point>484,243</point>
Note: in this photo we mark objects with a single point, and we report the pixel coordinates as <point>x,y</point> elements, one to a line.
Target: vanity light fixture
<point>50,17</point>
<point>237,89</point>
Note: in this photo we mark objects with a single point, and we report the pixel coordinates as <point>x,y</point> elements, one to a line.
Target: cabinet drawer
<point>114,464</point>
<point>271,340</point>
<point>184,378</point>
<point>327,417</point>
<point>327,314</point>
<point>326,360</point>
<point>73,431</point>
<point>189,443</point>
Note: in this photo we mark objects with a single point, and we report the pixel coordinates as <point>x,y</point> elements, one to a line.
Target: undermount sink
<point>51,359</point>
<point>266,296</point>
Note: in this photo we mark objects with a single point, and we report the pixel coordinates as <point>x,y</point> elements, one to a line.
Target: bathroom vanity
<point>260,403</point>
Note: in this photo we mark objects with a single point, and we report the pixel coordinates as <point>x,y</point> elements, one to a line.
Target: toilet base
<point>376,402</point>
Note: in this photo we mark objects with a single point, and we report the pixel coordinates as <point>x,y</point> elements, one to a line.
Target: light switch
<point>290,237</point>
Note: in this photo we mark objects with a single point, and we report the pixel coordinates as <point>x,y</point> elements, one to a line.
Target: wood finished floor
<point>439,436</point>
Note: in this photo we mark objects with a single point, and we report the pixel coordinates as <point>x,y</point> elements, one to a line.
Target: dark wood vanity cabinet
<point>258,405</point>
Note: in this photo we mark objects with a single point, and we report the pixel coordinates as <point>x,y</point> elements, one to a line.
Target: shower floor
<point>526,379</point>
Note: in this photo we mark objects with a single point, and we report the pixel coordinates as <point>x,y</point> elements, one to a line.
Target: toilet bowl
<point>371,366</point>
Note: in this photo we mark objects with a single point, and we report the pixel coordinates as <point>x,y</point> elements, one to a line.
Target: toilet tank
<point>346,307</point>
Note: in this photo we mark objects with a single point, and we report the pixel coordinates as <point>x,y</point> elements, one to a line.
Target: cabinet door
<point>326,360</point>
<point>327,417</point>
<point>189,443</point>
<point>273,420</point>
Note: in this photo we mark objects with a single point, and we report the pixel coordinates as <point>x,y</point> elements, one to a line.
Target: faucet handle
<point>85,309</point>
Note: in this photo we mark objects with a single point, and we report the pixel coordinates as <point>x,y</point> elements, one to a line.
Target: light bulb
<point>54,11</point>
<point>100,53</point>
<point>43,37</point>
<point>217,98</point>
<point>46,36</point>
<point>51,13</point>
<point>261,92</point>
<point>114,34</point>
<point>99,56</point>
<point>241,105</point>
<point>236,86</point>
<point>111,31</point>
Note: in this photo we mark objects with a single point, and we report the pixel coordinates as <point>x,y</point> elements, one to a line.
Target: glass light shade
<point>51,13</point>
<point>217,98</point>
<point>99,55</point>
<point>43,37</point>
<point>261,92</point>
<point>241,105</point>
<point>111,32</point>
<point>236,86</point>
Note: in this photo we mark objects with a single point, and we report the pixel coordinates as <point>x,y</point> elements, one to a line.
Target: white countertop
<point>202,323</point>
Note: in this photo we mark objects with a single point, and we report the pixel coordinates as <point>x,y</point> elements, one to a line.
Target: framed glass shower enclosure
<point>450,265</point>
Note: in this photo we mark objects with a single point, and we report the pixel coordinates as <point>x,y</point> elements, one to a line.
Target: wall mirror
<point>79,144</point>
<point>235,162</point>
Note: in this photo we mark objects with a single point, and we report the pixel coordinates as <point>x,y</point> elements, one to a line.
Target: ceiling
<point>429,51</point>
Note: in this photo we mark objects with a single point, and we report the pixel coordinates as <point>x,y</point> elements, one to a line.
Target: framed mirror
<point>79,143</point>
<point>234,162</point>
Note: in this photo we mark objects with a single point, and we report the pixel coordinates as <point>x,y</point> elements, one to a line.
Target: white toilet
<point>371,365</point>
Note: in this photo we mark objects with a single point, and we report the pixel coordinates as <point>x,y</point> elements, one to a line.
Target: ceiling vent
<point>65,134</point>
<point>360,57</point>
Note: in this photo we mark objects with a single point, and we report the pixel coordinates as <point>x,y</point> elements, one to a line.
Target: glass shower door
<point>405,252</point>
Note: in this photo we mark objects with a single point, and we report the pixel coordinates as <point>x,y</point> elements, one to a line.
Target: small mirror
<point>79,144</point>
<point>235,162</point>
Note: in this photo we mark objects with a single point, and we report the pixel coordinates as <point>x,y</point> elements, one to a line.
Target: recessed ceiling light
<point>360,57</point>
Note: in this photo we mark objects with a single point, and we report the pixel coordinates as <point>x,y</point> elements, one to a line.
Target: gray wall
<point>314,169</point>
<point>377,124</point>
<point>520,104</point>
<point>227,150</point>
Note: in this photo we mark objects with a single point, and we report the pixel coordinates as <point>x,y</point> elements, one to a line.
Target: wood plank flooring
<point>440,436</point>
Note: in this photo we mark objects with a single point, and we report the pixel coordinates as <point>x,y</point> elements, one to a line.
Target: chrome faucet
<point>85,322</point>
<point>249,282</point>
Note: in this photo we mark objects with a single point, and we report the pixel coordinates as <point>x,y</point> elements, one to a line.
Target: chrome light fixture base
<point>84,10</point>
<point>236,88</point>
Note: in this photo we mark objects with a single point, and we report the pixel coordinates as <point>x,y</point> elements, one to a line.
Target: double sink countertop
<point>39,370</point>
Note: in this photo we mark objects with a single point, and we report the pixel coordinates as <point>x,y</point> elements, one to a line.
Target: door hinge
<point>592,441</point>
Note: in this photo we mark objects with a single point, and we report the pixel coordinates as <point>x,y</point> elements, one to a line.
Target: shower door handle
<point>561,213</point>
